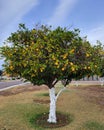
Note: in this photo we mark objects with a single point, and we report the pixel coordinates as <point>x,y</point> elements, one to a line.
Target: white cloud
<point>96,34</point>
<point>11,13</point>
<point>61,12</point>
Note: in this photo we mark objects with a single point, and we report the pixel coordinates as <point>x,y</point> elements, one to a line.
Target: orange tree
<point>45,56</point>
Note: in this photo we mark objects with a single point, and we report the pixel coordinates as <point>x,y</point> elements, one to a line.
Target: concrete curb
<point>23,84</point>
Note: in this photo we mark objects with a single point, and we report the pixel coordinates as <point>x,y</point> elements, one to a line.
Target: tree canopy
<point>44,55</point>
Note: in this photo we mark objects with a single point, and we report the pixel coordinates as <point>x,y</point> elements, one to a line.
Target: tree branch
<point>60,92</point>
<point>54,82</point>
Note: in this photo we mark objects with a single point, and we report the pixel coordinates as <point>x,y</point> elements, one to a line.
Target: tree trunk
<point>52,112</point>
<point>53,99</point>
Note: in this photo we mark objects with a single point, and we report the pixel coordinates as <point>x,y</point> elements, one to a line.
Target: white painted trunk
<point>102,81</point>
<point>76,84</point>
<point>52,111</point>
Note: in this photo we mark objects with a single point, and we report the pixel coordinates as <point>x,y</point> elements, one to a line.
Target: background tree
<point>1,73</point>
<point>45,56</point>
<point>101,68</point>
<point>102,61</point>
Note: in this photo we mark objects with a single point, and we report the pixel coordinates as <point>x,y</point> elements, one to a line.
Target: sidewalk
<point>77,83</point>
<point>22,84</point>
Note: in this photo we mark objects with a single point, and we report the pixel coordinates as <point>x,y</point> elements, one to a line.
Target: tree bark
<point>52,112</point>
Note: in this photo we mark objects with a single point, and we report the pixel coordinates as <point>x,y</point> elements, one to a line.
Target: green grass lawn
<point>17,110</point>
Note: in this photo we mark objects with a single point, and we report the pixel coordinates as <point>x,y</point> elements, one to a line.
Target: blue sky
<point>87,15</point>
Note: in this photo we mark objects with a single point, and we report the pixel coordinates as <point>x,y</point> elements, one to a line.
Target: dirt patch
<point>93,94</point>
<point>41,101</point>
<point>22,89</point>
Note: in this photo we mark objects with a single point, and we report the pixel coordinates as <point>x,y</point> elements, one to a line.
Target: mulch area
<point>93,94</point>
<point>62,120</point>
